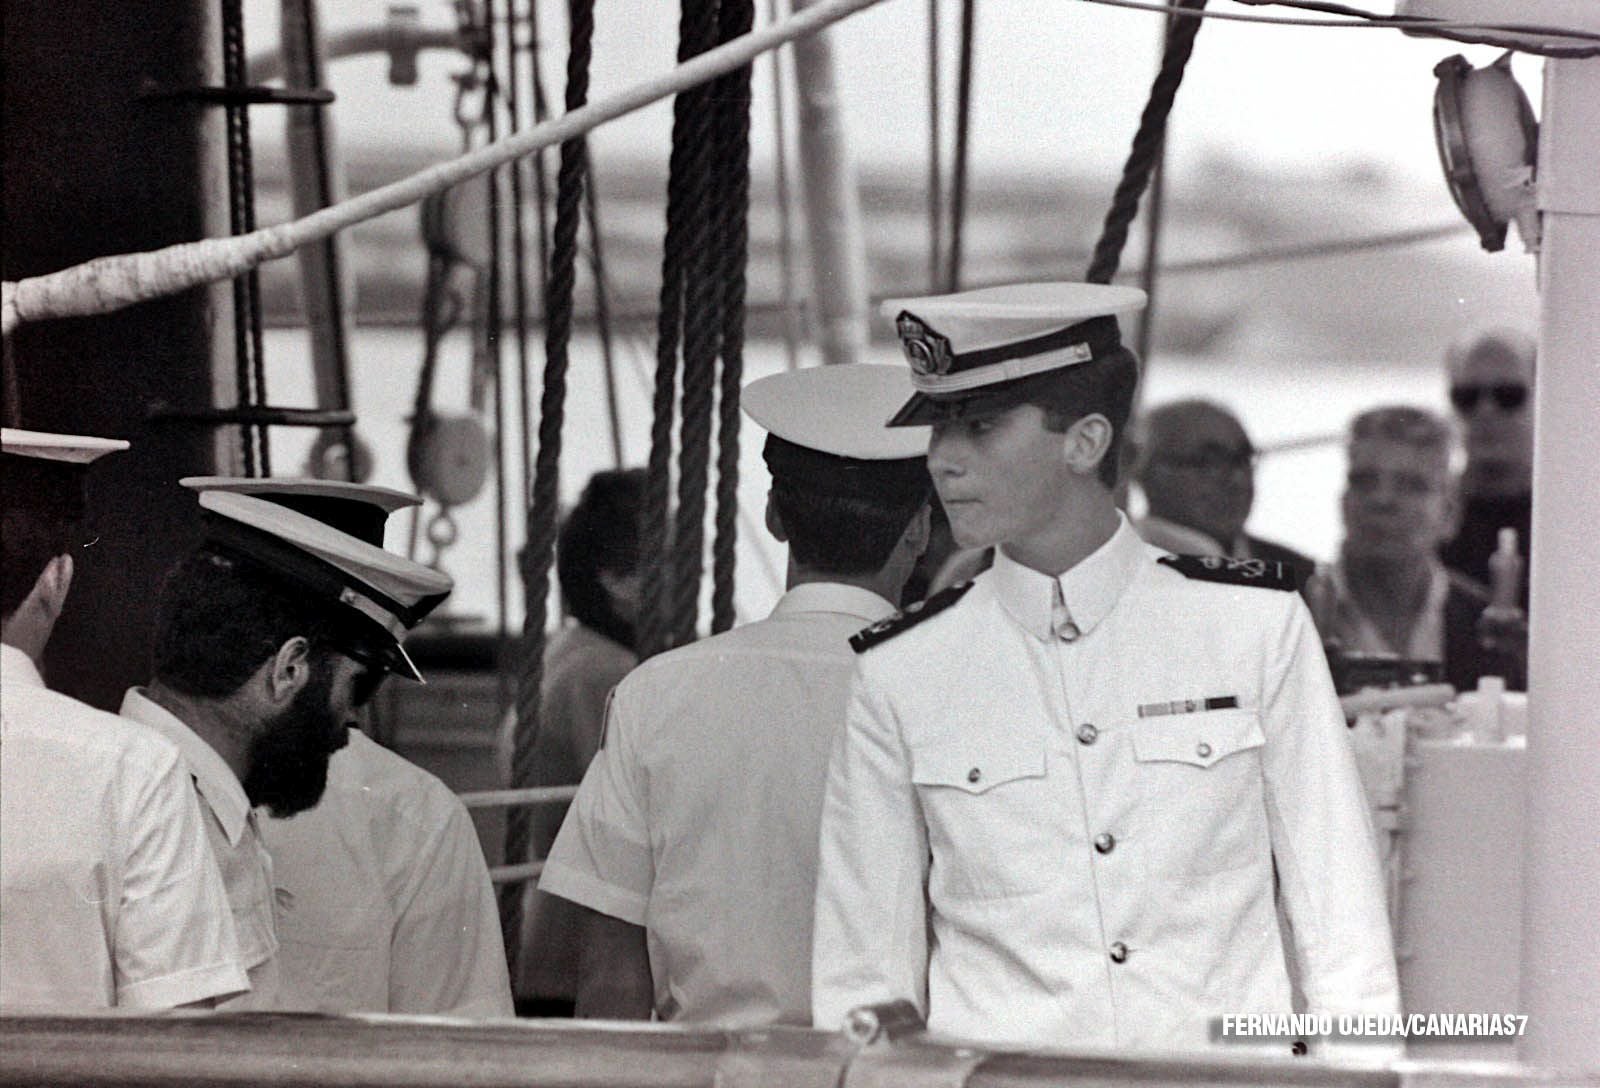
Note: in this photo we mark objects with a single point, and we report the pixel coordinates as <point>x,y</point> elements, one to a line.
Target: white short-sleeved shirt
<point>384,901</point>
<point>1058,826</point>
<point>235,837</point>
<point>109,896</point>
<point>698,818</point>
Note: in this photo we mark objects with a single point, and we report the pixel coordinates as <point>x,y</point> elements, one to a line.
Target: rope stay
<point>1146,149</point>
<point>701,312</point>
<point>248,341</point>
<point>539,552</point>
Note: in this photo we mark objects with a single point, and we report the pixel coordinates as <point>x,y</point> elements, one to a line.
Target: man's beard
<point>288,758</point>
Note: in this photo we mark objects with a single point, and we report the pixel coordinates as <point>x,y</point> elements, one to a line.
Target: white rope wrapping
<point>110,283</point>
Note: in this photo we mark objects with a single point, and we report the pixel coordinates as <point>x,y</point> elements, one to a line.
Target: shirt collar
<point>212,776</point>
<point>16,667</point>
<point>1090,589</point>
<point>863,604</point>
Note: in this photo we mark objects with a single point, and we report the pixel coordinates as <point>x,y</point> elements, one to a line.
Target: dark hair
<point>1106,386</point>
<point>842,534</point>
<point>220,616</point>
<point>29,539</point>
<point>601,533</point>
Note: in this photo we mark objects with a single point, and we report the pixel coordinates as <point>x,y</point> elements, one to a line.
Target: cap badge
<point>925,350</point>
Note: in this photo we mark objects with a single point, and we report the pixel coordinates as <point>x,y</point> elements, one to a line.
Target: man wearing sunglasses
<point>1491,390</point>
<point>269,636</point>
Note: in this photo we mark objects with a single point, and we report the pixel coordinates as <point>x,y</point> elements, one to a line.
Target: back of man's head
<point>600,536</point>
<point>221,616</point>
<point>834,532</point>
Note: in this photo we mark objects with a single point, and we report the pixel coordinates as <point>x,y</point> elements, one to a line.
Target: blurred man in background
<point>1491,390</point>
<point>600,567</point>
<point>1390,594</point>
<point>1196,466</point>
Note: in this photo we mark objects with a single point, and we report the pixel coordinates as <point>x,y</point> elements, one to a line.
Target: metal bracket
<point>264,416</point>
<point>242,96</point>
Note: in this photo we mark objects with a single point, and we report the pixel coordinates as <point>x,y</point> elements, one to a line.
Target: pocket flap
<point>1197,739</point>
<point>974,766</point>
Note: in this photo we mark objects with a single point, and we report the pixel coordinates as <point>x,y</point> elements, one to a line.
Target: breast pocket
<point>334,954</point>
<point>991,816</point>
<point>1200,777</point>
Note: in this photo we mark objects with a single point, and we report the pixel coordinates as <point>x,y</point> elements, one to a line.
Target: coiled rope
<point>539,553</point>
<point>110,283</point>
<point>1146,147</point>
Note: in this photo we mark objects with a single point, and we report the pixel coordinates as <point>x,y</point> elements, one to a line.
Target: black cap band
<point>791,464</point>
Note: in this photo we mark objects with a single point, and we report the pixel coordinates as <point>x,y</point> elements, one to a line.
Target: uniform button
<point>1203,750</point>
<point>1105,842</point>
<point>973,775</point>
<point>1068,632</point>
<point>1087,734</point>
<point>1119,952</point>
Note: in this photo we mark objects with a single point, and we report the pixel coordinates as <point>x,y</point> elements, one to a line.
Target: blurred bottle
<point>1503,626</point>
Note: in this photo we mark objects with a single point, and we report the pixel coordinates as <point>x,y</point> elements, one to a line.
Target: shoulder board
<point>914,614</point>
<point>1264,573</point>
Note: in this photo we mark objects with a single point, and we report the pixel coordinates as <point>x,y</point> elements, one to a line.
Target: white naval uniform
<point>1010,845</point>
<point>698,818</point>
<point>109,896</point>
<point>384,900</point>
<point>235,837</point>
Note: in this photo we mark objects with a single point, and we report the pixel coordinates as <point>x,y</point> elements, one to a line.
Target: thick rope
<point>539,553</point>
<point>733,205</point>
<point>249,377</point>
<point>702,332</point>
<point>110,283</point>
<point>655,607</point>
<point>655,627</point>
<point>1146,147</point>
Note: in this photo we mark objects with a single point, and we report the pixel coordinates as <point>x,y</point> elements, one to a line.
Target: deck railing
<point>433,1052</point>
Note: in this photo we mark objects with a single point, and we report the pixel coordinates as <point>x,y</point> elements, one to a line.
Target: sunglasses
<point>1507,397</point>
<point>1213,458</point>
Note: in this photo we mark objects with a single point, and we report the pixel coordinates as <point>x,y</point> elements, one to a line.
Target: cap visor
<point>922,409</point>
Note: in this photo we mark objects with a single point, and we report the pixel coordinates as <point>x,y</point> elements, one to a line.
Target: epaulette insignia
<point>915,613</point>
<point>1264,573</point>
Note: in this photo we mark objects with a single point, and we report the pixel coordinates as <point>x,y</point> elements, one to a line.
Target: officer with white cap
<point>268,638</point>
<point>1070,793</point>
<point>693,837</point>
<point>384,899</point>
<point>108,891</point>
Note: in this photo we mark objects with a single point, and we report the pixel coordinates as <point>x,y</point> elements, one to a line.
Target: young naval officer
<point>109,896</point>
<point>1064,789</point>
<point>268,637</point>
<point>383,897</point>
<point>693,837</point>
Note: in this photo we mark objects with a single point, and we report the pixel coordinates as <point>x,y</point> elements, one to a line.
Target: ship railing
<point>366,1051</point>
<point>532,795</point>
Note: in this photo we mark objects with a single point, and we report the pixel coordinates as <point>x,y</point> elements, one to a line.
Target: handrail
<point>532,795</point>
<point>424,1052</point>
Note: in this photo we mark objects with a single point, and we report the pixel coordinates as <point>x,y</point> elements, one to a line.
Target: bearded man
<point>269,637</point>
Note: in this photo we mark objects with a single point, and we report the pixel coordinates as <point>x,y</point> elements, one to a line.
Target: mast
<point>833,207</point>
<point>1560,966</point>
<point>108,151</point>
<point>1561,895</point>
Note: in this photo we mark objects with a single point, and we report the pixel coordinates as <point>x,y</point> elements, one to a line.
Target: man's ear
<point>1087,443</point>
<point>774,522</point>
<point>53,585</point>
<point>919,530</point>
<point>288,670</point>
